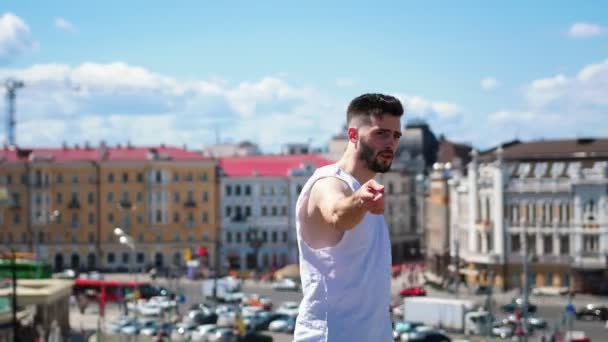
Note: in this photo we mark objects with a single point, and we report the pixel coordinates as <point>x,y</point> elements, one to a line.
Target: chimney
<point>129,146</point>
<point>103,150</point>
<point>87,146</point>
<point>64,145</point>
<point>76,146</point>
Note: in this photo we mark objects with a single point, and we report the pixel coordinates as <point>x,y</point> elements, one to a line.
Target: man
<point>345,251</point>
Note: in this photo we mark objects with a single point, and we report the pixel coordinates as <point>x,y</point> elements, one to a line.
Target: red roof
<point>269,165</point>
<point>127,153</point>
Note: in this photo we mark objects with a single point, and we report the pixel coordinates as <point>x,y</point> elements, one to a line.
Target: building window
<point>176,238</point>
<point>159,216</point>
<point>264,211</point>
<point>515,244</point>
<point>228,211</point>
<point>140,177</point>
<point>91,198</point>
<point>59,198</point>
<point>284,210</point>
<point>205,196</point>
<point>190,220</point>
<point>205,217</point>
<point>110,218</point>
<point>228,237</point>
<point>228,190</point>
<point>564,245</point>
<point>140,258</point>
<point>274,236</point>
<point>176,177</point>
<point>125,258</point>
<point>111,258</point>
<point>176,197</point>
<point>58,179</point>
<point>176,217</point>
<point>590,243</point>
<point>91,218</point>
<point>91,238</point>
<point>140,197</point>
<point>265,236</point>
<point>547,244</point>
<point>125,177</point>
<point>247,190</point>
<point>140,219</point>
<point>390,188</point>
<point>247,211</point>
<point>110,197</point>
<point>237,190</point>
<point>531,243</point>
<point>159,176</point>
<point>110,177</point>
<point>74,179</point>
<point>74,222</point>
<point>202,177</point>
<point>274,211</point>
<point>189,177</point>
<point>284,236</point>
<point>238,237</point>
<point>549,279</point>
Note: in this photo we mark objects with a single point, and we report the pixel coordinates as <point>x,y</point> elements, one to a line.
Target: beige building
<point>64,204</point>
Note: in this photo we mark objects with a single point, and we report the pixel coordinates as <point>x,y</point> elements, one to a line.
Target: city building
<point>545,200</point>
<point>451,158</point>
<point>244,148</point>
<point>258,197</point>
<point>64,204</point>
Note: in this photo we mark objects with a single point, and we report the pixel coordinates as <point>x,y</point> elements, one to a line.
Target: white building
<point>257,202</point>
<point>550,196</point>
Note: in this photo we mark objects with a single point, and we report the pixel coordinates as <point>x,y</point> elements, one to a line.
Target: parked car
<point>593,312</point>
<point>288,308</point>
<point>286,325</point>
<point>416,291</point>
<point>286,285</point>
<point>518,304</point>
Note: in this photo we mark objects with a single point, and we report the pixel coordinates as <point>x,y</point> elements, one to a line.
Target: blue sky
<point>275,72</point>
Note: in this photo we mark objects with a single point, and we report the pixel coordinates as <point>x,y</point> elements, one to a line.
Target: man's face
<point>378,142</point>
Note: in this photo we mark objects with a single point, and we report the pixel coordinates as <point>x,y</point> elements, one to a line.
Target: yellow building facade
<point>65,203</point>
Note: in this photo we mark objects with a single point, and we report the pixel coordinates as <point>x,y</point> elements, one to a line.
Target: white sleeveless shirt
<point>346,287</point>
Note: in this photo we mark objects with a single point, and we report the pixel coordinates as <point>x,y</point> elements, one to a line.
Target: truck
<point>227,289</point>
<point>453,315</point>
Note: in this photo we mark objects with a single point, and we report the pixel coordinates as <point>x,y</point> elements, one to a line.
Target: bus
<point>111,290</point>
<point>25,269</point>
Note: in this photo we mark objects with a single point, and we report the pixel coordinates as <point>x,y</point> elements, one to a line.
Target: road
<point>550,308</point>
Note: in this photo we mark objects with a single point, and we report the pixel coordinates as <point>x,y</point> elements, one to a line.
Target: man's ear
<point>353,135</point>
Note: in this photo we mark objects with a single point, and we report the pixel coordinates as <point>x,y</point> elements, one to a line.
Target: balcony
<point>190,204</point>
<point>125,204</point>
<point>239,218</point>
<point>74,204</point>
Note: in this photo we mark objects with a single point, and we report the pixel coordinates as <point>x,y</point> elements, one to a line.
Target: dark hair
<point>368,105</point>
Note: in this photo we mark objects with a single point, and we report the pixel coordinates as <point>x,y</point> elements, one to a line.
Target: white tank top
<point>346,287</point>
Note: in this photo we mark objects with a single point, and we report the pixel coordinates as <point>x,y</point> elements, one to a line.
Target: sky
<point>273,72</point>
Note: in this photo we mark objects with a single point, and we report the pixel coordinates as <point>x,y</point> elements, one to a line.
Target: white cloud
<point>118,102</point>
<point>345,83</point>
<point>559,106</point>
<point>15,37</point>
<point>585,30</point>
<point>64,25</point>
<point>489,83</point>
<point>419,106</point>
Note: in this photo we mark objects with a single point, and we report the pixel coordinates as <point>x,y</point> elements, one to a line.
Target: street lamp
<point>126,239</point>
<point>255,242</point>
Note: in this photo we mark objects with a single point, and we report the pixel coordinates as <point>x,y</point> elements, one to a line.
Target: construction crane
<point>11,86</point>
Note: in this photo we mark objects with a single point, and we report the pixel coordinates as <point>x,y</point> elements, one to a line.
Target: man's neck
<point>355,167</point>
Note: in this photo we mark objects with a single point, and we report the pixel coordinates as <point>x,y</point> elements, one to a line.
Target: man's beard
<point>368,155</point>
